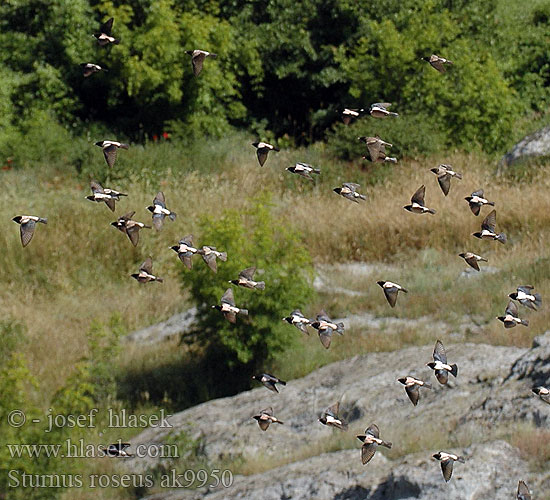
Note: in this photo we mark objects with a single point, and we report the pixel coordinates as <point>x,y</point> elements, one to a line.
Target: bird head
<point>151,208</point>
<point>468,198</point>
<point>17,219</point>
<point>99,143</point>
<point>175,248</point>
<point>337,190</point>
<point>437,455</point>
<point>381,283</point>
<point>431,365</point>
<point>234,282</point>
<point>408,208</point>
<point>462,255</point>
<point>323,420</point>
<point>403,380</point>
<point>477,235</point>
<point>513,296</point>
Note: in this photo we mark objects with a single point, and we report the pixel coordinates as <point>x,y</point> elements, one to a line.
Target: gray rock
<point>532,146</point>
<point>491,471</point>
<point>176,325</point>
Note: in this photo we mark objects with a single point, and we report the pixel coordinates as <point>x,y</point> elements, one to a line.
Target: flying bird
<point>376,150</point>
<point>526,298</point>
<point>265,418</point>
<point>269,381</point>
<point>246,280</point>
<point>326,327</point>
<point>472,259</point>
<point>330,417</point>
<point>159,211</point>
<point>417,202</point>
<point>523,491</point>
<point>391,290</point>
<point>303,169</point>
<point>438,62</point>
<point>110,150</point>
<point>210,254</point>
<point>476,201</point>
<point>116,450</point>
<point>444,174</point>
<point>297,319</point>
<point>412,386</point>
<point>130,227</point>
<point>510,318</point>
<point>197,59</point>
<point>104,36</point>
<point>488,229</point>
<point>227,307</point>
<point>447,460</point>
<point>27,225</point>
<point>440,366</point>
<point>145,274</point>
<point>185,250</point>
<point>349,191</point>
<point>543,393</point>
<point>99,194</point>
<point>262,149</point>
<point>350,114</point>
<point>380,110</point>
<point>371,440</point>
<point>89,69</point>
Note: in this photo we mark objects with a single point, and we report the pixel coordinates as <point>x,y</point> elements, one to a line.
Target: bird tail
<point>124,146</point>
<point>243,311</point>
<point>483,259</point>
<point>160,280</point>
<point>116,41</point>
<point>172,216</point>
<point>391,113</point>
<point>460,459</point>
<point>343,426</point>
<point>279,422</point>
<point>147,227</point>
<point>390,159</point>
<point>454,370</point>
<point>260,285</point>
<point>362,196</point>
<point>538,299</point>
<point>122,194</point>
<point>282,382</point>
<point>502,238</point>
<point>431,211</point>
<point>316,171</point>
<point>223,256</point>
<point>404,290</point>
<point>525,322</point>
<point>340,328</point>
<point>491,203</point>
<point>386,444</point>
<point>458,176</point>
<point>44,220</point>
<point>427,385</point>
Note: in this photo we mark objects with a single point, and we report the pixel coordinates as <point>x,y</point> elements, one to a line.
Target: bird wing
<point>375,148</point>
<point>444,183</point>
<point>197,61</point>
<point>418,197</point>
<point>230,316</point>
<point>490,222</point>
<point>27,231</point>
<point>525,289</point>
<point>438,65</point>
<point>160,200</point>
<point>210,260</point>
<point>267,411</point>
<point>447,469</point>
<point>413,392</point>
<point>96,187</point>
<point>186,261</point>
<point>352,186</point>
<point>333,410</point>
<point>325,336</point>
<point>512,309</point>
<point>147,266</point>
<point>127,216</point>
<point>158,221</point>
<point>110,202</point>
<point>479,193</point>
<point>107,26</point>
<point>322,316</point>
<point>228,297</point>
<point>264,424</point>
<point>439,352</point>
<point>373,431</point>
<point>475,208</point>
<point>523,491</point>
<point>367,452</point>
<point>110,154</point>
<point>391,295</point>
<point>262,155</point>
<point>133,234</point>
<point>472,261</point>
<point>346,119</point>
<point>247,273</point>
<point>382,104</point>
<point>187,240</point>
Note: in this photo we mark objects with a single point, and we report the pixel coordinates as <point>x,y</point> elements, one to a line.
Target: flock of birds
<point>325,326</point>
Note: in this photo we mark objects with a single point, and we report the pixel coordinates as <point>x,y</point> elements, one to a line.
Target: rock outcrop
<point>532,146</point>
